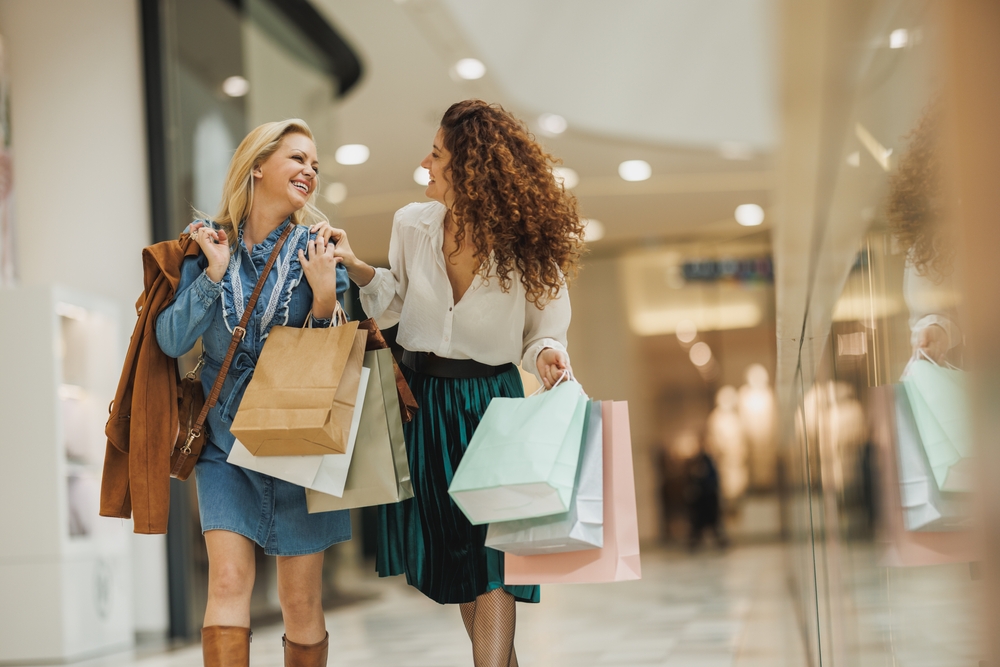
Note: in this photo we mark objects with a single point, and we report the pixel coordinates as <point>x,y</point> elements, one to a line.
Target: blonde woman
<point>270,185</point>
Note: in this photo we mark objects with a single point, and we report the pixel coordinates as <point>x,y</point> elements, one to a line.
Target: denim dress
<point>269,511</point>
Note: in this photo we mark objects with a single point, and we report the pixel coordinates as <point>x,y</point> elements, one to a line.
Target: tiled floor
<point>707,610</point>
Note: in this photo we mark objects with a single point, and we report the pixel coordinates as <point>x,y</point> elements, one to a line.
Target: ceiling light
<point>700,354</point>
<point>635,170</point>
<point>352,154</point>
<point>421,176</point>
<point>335,193</point>
<point>470,69</point>
<point>566,177</point>
<point>854,159</point>
<point>551,124</point>
<point>686,331</point>
<point>593,230</point>
<point>236,86</point>
<point>899,38</point>
<point>749,215</point>
<point>735,150</point>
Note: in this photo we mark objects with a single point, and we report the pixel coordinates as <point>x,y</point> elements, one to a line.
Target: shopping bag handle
<point>921,355</point>
<point>566,375</point>
<point>339,317</point>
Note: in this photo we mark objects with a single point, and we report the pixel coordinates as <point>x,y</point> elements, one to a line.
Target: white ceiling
<point>666,81</point>
<point>677,72</point>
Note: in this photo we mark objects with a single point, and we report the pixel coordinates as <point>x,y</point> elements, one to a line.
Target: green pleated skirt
<point>427,537</point>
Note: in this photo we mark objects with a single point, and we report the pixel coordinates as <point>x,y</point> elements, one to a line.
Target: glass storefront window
<point>882,487</point>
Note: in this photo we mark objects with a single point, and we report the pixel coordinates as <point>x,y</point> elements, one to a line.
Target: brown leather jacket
<point>143,424</point>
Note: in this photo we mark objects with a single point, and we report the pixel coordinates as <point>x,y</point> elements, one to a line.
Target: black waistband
<point>429,363</point>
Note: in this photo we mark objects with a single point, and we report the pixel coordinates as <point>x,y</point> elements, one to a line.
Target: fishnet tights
<point>490,624</point>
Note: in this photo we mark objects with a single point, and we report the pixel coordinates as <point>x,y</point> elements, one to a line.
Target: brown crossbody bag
<point>191,399</point>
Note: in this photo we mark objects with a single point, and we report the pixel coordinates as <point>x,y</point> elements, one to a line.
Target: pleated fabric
<point>427,537</point>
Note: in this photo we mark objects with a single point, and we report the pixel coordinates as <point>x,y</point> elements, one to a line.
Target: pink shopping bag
<point>618,560</point>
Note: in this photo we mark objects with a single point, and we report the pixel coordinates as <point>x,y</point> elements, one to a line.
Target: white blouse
<point>487,325</point>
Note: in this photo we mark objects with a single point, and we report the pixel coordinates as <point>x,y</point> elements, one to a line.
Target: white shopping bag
<point>925,507</point>
<point>582,527</point>
<point>326,473</point>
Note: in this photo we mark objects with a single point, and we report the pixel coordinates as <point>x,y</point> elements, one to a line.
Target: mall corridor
<point>711,609</point>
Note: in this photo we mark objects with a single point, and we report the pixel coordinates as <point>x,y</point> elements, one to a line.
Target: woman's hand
<point>323,229</point>
<point>215,244</point>
<point>552,364</point>
<point>932,341</point>
<point>320,267</point>
<point>359,272</point>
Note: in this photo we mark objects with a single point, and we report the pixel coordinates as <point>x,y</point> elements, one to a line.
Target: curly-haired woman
<point>477,284</point>
<point>918,219</point>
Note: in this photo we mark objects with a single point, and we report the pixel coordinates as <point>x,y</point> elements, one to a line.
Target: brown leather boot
<point>306,655</point>
<point>225,646</point>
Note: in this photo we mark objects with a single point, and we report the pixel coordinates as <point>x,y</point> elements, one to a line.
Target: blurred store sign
<point>739,270</point>
<point>666,292</point>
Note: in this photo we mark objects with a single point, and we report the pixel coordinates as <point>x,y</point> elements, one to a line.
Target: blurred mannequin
<point>727,442</point>
<point>836,421</point>
<point>756,409</point>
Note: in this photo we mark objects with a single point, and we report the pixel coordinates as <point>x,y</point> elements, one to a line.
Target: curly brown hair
<point>915,208</point>
<point>506,197</point>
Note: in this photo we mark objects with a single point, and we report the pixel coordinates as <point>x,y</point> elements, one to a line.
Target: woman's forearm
<point>361,273</point>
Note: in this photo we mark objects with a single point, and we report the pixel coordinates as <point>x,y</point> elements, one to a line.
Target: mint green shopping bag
<point>937,397</point>
<point>522,459</point>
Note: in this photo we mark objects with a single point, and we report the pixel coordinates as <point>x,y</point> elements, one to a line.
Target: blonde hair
<point>237,193</point>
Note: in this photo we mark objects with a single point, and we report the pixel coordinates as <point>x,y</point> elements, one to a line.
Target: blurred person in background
<point>271,184</point>
<point>702,493</point>
<point>477,283</point>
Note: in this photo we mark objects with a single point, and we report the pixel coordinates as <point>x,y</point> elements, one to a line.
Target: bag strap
<point>238,333</point>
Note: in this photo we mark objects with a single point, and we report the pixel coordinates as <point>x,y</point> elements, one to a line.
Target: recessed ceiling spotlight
<point>421,176</point>
<point>551,124</point>
<point>899,38</point>
<point>749,215</point>
<point>352,154</point>
<point>470,69</point>
<point>335,193</point>
<point>566,176</point>
<point>236,86</point>
<point>700,354</point>
<point>635,170</point>
<point>735,150</point>
<point>593,230</point>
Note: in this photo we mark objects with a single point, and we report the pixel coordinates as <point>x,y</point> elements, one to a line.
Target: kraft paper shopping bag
<point>582,527</point>
<point>379,472</point>
<point>326,473</point>
<point>618,559</point>
<point>301,398</point>
<point>522,459</point>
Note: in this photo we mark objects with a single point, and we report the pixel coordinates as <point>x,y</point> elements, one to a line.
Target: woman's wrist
<point>322,309</point>
<point>215,274</point>
<point>360,273</point>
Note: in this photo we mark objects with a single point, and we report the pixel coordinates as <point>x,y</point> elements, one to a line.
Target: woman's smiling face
<point>290,175</point>
<point>437,164</point>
